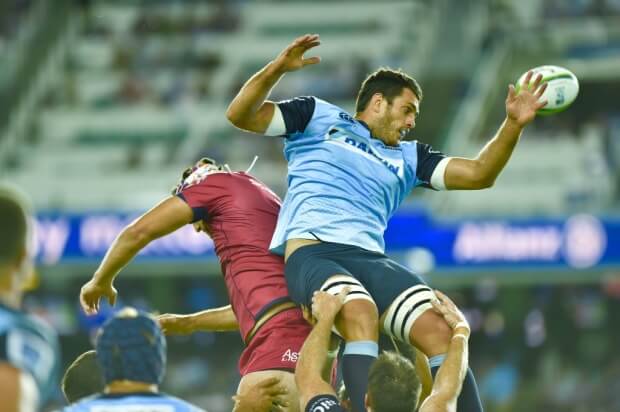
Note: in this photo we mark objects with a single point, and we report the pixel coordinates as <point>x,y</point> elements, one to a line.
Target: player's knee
<point>358,320</point>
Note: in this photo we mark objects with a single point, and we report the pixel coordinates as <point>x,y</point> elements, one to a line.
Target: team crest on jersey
<point>353,143</point>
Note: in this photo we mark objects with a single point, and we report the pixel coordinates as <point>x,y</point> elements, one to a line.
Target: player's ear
<point>376,101</point>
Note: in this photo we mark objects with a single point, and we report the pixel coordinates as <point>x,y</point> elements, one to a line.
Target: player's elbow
<point>481,178</point>
<point>232,115</point>
<point>236,117</point>
<point>484,182</point>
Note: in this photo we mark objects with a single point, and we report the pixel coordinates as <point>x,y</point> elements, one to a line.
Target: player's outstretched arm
<point>449,379</point>
<point>312,357</point>
<point>169,215</point>
<point>249,110</point>
<point>211,320</point>
<point>481,172</point>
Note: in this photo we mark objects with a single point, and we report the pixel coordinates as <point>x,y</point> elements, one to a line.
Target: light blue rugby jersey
<point>343,184</point>
<point>143,402</point>
<point>31,346</point>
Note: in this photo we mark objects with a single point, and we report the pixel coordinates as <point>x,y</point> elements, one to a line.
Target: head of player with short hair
<point>82,378</point>
<point>131,350</point>
<point>393,384</point>
<point>16,266</point>
<point>388,102</point>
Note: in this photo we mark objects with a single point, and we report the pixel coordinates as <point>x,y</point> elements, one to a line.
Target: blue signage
<point>579,241</point>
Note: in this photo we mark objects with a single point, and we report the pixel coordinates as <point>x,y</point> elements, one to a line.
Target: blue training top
<point>31,346</point>
<point>343,184</point>
<point>134,402</point>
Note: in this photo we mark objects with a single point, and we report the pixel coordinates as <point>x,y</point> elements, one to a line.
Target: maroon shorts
<point>277,343</point>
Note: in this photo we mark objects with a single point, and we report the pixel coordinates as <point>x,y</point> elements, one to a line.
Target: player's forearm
<point>246,104</point>
<point>495,154</point>
<point>125,247</point>
<point>214,320</point>
<point>313,354</point>
<point>449,378</point>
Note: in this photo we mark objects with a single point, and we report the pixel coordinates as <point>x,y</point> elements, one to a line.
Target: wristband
<point>461,325</point>
<point>460,335</point>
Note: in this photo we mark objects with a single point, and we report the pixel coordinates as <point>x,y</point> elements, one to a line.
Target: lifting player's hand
<point>92,292</point>
<point>267,395</point>
<point>326,306</point>
<point>292,58</point>
<point>453,316</point>
<point>173,324</point>
<point>521,105</point>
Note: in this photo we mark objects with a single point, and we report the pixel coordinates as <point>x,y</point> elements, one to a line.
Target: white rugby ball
<point>562,87</point>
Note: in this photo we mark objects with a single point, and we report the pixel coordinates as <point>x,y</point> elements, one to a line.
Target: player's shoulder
<point>81,405</point>
<point>181,404</point>
<point>17,321</point>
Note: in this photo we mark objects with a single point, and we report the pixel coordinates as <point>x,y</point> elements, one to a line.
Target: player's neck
<point>126,386</point>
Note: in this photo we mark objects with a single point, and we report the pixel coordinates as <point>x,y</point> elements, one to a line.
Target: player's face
<point>398,117</point>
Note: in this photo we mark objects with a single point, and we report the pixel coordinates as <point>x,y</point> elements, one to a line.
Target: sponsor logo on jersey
<point>290,356</point>
<point>349,140</point>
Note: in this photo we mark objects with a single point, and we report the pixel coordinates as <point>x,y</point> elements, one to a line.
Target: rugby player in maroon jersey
<point>239,213</point>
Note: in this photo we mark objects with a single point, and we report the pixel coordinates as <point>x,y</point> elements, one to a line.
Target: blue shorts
<point>310,266</point>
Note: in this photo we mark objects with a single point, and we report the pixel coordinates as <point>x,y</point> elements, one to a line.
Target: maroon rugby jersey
<point>241,214</point>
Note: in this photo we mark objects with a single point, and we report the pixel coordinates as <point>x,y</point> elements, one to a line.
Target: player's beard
<point>386,130</point>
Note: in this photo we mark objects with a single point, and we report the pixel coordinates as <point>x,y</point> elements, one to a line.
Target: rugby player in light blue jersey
<point>131,352</point>
<point>29,355</point>
<point>347,175</point>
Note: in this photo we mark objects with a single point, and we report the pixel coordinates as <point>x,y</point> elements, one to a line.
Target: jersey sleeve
<point>427,161</point>
<point>198,197</point>
<point>324,403</point>
<point>297,113</point>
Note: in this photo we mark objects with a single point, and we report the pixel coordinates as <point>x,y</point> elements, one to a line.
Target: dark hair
<point>389,82</point>
<point>83,378</point>
<point>13,224</point>
<point>188,171</point>
<point>393,384</point>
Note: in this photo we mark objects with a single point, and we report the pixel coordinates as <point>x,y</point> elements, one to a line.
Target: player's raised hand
<point>326,306</point>
<point>92,292</point>
<point>292,58</point>
<point>522,104</point>
<point>266,395</point>
<point>453,316</point>
<point>173,324</point>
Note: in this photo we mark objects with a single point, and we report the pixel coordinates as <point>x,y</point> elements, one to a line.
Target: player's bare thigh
<point>287,379</point>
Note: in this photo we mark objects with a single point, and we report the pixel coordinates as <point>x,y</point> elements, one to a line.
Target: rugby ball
<point>562,88</point>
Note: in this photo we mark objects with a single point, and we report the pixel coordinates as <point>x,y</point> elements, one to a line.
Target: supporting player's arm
<point>449,378</point>
<point>313,354</point>
<point>168,216</point>
<point>211,320</point>
<point>424,373</point>
<point>481,172</point>
<point>250,110</point>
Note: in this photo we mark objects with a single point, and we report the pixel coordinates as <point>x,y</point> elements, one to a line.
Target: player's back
<point>134,402</point>
<point>241,214</point>
<point>31,346</point>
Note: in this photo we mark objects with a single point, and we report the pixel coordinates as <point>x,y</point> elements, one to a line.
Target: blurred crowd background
<point>104,103</point>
